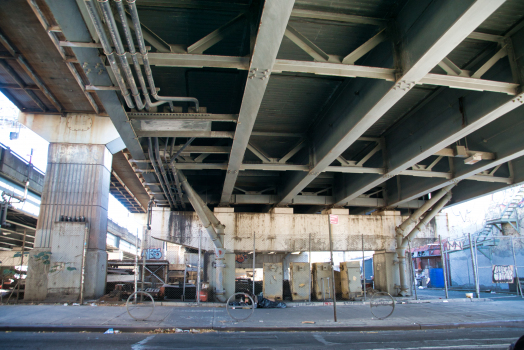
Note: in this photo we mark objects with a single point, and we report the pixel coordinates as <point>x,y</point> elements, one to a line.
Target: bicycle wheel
<point>246,304</point>
<point>382,305</point>
<point>140,310</point>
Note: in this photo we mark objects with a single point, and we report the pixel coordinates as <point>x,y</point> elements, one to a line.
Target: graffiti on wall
<point>240,258</point>
<point>153,253</point>
<point>502,273</point>
<point>453,245</point>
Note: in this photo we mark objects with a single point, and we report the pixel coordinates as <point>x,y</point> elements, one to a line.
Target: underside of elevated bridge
<point>262,104</point>
<point>256,106</point>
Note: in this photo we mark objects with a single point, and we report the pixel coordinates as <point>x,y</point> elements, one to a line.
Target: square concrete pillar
<point>76,188</point>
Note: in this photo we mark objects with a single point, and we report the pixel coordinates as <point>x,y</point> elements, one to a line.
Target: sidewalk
<point>411,316</point>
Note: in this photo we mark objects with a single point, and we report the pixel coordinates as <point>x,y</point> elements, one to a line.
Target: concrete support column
<point>76,186</point>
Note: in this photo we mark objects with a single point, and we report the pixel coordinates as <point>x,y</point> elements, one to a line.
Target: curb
<point>289,303</point>
<point>145,329</point>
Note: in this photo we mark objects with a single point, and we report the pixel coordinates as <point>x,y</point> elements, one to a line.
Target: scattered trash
<point>109,331</point>
<point>66,304</point>
<point>420,287</point>
<point>178,330</point>
<point>308,322</point>
<point>260,321</point>
<point>117,331</point>
<point>469,295</point>
<point>444,301</point>
<point>493,292</point>
<point>93,304</point>
<point>76,304</point>
<point>264,303</point>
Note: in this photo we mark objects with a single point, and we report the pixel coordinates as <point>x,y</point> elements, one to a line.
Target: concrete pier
<point>76,188</point>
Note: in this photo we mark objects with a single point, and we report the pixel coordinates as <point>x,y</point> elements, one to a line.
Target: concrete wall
<point>287,232</point>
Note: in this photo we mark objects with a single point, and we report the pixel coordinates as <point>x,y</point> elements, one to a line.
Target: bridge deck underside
<point>364,107</point>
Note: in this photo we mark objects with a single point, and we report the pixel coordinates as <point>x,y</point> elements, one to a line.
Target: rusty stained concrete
<point>289,232</point>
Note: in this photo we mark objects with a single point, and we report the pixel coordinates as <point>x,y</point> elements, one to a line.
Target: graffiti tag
<point>502,273</point>
<point>240,258</point>
<point>154,253</point>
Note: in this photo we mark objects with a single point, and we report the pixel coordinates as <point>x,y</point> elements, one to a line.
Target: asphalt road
<point>460,339</point>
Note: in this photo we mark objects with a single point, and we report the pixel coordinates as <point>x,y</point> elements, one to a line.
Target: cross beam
<point>426,40</point>
<point>273,23</point>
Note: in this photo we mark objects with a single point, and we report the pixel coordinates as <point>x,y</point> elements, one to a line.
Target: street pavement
<point>463,339</point>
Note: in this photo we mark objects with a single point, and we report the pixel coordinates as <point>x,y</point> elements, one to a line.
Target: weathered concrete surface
<point>75,128</point>
<point>289,232</point>
<point>76,186</point>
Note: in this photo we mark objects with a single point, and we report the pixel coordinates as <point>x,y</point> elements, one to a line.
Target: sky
<point>27,140</point>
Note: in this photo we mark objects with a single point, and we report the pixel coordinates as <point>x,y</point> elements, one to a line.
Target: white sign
<point>502,273</point>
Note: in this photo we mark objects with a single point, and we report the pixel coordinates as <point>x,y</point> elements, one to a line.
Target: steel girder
<point>426,36</point>
<point>275,16</point>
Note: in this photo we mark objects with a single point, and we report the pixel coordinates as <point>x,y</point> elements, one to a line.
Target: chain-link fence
<point>488,264</point>
<point>477,264</point>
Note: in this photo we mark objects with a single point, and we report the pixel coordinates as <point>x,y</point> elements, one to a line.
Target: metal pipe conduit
<point>108,51</point>
<point>434,211</point>
<point>119,48</point>
<point>400,230</point>
<point>120,51</point>
<point>147,66</point>
<point>178,187</point>
<point>157,172</point>
<point>420,211</point>
<point>195,200</point>
<point>401,249</point>
<point>199,205</point>
<point>132,51</point>
<point>163,172</point>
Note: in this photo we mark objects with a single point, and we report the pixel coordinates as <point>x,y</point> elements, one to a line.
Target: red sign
<point>333,219</point>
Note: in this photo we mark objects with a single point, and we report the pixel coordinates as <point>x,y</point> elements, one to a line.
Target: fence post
<point>364,267</point>
<point>477,267</point>
<point>519,287</point>
<point>21,268</point>
<point>254,248</point>
<point>332,269</point>
<point>473,262</point>
<point>309,258</point>
<point>443,259</point>
<point>198,268</point>
<point>414,280</point>
<point>136,264</point>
